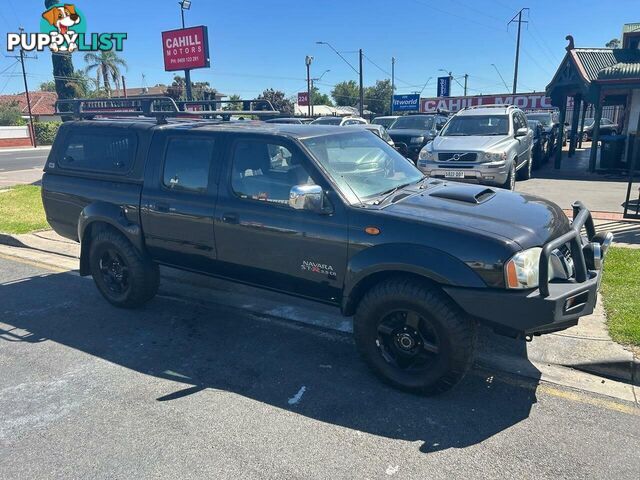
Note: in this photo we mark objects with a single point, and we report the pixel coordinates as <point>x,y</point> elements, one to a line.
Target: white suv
<point>488,144</point>
<point>333,120</point>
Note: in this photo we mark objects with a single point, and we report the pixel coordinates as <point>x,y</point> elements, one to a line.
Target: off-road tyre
<point>142,274</point>
<point>456,334</point>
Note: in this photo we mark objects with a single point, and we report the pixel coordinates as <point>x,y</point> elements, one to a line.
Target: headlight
<point>495,156</point>
<point>522,271</point>
<point>426,154</point>
<point>416,140</point>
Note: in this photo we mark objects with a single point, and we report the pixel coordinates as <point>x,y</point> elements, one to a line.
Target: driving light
<point>522,271</point>
<point>495,156</point>
<point>416,140</point>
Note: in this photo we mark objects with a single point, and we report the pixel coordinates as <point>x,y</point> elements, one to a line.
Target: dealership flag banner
<point>524,101</point>
<point>186,48</point>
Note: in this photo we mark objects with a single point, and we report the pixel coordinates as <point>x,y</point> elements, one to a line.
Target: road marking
<point>296,398</point>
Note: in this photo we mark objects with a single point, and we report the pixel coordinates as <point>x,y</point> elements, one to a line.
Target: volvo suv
<point>489,144</point>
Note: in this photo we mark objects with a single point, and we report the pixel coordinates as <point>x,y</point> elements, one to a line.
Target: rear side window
<point>101,151</point>
<point>187,163</point>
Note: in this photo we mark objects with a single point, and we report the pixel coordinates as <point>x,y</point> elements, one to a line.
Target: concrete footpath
<point>583,357</point>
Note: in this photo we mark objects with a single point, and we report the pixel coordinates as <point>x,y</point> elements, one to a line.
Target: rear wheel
<point>413,336</point>
<point>123,276</point>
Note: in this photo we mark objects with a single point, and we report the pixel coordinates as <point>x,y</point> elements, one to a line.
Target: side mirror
<point>308,197</point>
<point>522,132</point>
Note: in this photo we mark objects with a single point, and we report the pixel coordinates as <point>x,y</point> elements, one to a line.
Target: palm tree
<point>107,67</point>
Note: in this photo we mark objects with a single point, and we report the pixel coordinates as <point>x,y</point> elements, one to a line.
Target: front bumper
<point>553,305</point>
<point>489,173</point>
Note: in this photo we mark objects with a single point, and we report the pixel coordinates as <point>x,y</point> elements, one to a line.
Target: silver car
<point>488,144</point>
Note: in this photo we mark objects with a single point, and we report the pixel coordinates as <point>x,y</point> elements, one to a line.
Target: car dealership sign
<point>406,103</point>
<point>303,99</point>
<point>524,101</point>
<point>186,48</point>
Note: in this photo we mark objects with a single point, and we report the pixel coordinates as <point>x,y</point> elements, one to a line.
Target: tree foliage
<point>10,114</point>
<point>199,90</point>
<point>318,98</point>
<point>613,43</point>
<point>62,66</point>
<point>377,98</point>
<point>49,86</point>
<point>107,67</point>
<point>278,99</point>
<point>346,94</point>
<point>234,103</point>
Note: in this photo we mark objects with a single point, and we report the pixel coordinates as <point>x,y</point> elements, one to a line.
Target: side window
<point>351,122</point>
<point>186,164</point>
<point>266,171</point>
<point>517,122</point>
<point>107,151</point>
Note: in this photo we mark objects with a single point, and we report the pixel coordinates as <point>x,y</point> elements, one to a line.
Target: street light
<point>359,72</point>
<point>308,59</point>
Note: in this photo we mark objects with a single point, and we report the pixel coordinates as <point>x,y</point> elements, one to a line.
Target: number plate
<point>454,174</point>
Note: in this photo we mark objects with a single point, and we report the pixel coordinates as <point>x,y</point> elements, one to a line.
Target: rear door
<point>179,197</point>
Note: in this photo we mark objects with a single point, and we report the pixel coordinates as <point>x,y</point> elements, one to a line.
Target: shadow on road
<point>267,360</point>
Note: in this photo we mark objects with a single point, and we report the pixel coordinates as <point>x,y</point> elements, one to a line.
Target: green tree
<point>199,90</point>
<point>320,98</point>
<point>346,94</point>
<point>10,114</point>
<point>377,98</point>
<point>278,99</point>
<point>82,85</point>
<point>233,104</point>
<point>49,86</point>
<point>62,66</point>
<point>613,43</point>
<point>107,66</point>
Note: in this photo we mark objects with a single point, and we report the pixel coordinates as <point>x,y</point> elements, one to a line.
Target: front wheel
<point>123,276</point>
<point>510,183</point>
<point>413,336</point>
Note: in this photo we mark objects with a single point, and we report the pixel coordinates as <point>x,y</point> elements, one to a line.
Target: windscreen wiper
<point>388,193</point>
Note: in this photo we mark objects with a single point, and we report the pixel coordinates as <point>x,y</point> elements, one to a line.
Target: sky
<point>259,44</point>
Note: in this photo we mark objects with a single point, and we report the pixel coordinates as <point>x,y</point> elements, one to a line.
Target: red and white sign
<point>524,101</point>
<point>303,99</point>
<point>186,48</point>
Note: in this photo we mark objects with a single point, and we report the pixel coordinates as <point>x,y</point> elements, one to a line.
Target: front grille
<point>457,157</point>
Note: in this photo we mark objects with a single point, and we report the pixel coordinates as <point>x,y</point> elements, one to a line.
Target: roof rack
<point>159,108</point>
<point>491,105</point>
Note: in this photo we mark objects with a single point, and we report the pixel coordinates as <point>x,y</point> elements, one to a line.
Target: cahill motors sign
<point>524,101</point>
<point>186,48</point>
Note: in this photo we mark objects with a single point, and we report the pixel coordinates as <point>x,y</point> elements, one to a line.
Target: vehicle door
<point>522,143</point>
<point>178,200</point>
<point>260,239</point>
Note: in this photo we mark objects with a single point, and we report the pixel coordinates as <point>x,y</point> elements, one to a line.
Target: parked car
<point>551,127</point>
<point>386,121</point>
<point>539,149</point>
<point>378,130</point>
<point>330,214</point>
<point>332,120</point>
<point>412,132</point>
<point>607,127</point>
<point>286,120</point>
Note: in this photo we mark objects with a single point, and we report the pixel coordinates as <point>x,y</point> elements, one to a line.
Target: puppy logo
<point>63,19</point>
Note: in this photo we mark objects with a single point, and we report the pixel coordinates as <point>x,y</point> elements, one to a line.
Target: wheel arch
<point>377,264</point>
<point>105,215</point>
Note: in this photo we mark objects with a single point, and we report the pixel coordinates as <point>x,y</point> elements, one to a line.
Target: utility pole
<point>308,61</point>
<point>466,77</point>
<point>186,5</point>
<point>520,22</point>
<point>361,87</point>
<point>124,86</point>
<point>26,91</point>
<point>393,81</point>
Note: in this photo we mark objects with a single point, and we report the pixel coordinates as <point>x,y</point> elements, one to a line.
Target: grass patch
<point>21,210</point>
<point>621,294</point>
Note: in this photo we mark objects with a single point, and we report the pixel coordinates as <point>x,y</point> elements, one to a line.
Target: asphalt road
<point>183,390</point>
<point>22,160</point>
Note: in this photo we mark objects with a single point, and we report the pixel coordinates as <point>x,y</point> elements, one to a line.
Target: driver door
<point>260,239</point>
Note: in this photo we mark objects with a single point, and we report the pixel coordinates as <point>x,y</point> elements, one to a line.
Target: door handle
<point>230,218</point>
